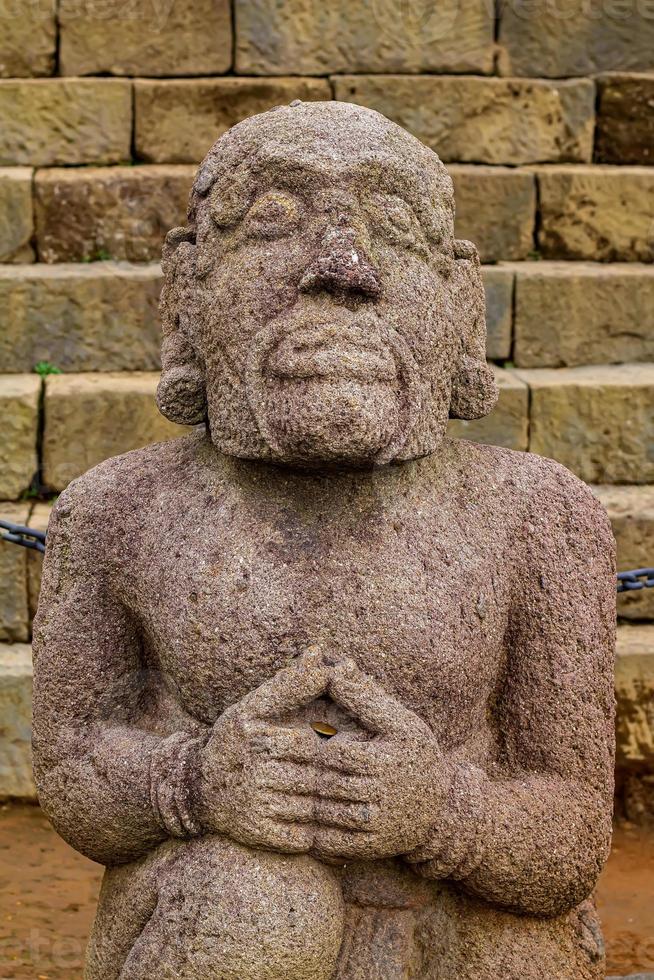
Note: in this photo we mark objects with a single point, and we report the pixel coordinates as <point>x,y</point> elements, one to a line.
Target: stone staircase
<point>554,181</point>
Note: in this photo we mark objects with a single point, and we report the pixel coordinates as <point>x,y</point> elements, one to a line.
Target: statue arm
<point>533,835</point>
<point>110,780</point>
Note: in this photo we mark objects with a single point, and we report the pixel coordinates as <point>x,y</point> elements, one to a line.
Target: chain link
<point>630,581</point>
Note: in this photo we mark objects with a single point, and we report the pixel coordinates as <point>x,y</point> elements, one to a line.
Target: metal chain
<point>27,537</point>
<point>631,581</point>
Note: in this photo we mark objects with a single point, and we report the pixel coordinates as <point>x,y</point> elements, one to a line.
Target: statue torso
<point>406,571</point>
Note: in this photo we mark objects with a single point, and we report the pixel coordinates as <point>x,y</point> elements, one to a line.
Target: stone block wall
<point>544,113</point>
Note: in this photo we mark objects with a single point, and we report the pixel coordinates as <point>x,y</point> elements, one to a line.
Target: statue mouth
<point>332,354</point>
<point>323,386</point>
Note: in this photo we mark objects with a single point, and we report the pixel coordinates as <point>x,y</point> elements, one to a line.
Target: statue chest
<point>425,614</point>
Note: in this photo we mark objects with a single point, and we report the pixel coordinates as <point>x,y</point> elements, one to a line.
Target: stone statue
<point>328,693</point>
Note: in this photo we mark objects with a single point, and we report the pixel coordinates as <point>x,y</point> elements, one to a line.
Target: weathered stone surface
<point>598,421</point>
<point>27,38</point>
<point>16,215</point>
<point>595,212</point>
<point>39,518</point>
<point>138,37</point>
<point>495,209</point>
<point>508,423</point>
<point>484,120</point>
<point>15,721</point>
<point>210,605</point>
<point>19,411</point>
<point>14,612</point>
<point>556,39</point>
<point>177,120</point>
<point>583,313</point>
<point>45,122</point>
<point>97,317</point>
<point>90,417</point>
<point>108,212</point>
<point>631,510</point>
<point>625,120</point>
<point>313,38</point>
<point>634,684</point>
<point>498,286</point>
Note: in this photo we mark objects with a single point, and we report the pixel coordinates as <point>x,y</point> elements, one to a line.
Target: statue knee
<point>234,913</point>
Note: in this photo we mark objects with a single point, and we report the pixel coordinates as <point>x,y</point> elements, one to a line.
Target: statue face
<point>326,299</point>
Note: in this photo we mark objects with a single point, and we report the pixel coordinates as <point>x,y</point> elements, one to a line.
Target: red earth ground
<point>48,894</point>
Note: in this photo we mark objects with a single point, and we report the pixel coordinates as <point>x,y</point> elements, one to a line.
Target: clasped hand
<point>286,789</point>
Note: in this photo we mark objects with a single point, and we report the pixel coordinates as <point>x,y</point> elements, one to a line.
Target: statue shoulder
<point>540,488</point>
<point>109,495</point>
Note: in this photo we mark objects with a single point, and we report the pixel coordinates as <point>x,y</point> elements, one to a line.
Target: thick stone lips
<point>388,351</point>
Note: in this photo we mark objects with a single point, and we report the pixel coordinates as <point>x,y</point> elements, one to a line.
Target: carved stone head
<point>318,308</point>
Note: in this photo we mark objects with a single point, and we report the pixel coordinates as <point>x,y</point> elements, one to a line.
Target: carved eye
<point>397,222</point>
<point>273,215</point>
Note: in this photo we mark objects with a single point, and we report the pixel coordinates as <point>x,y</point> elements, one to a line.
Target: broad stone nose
<point>341,266</point>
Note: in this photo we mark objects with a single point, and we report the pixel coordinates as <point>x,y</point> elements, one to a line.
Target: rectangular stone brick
<point>138,37</point>
<point>176,121</point>
<point>634,688</point>
<point>484,120</point>
<point>14,611</point>
<point>508,424</point>
<point>101,316</point>
<point>599,213</point>
<point>38,520</point>
<point>90,417</point>
<point>498,285</point>
<point>27,38</point>
<point>553,39</point>
<point>16,722</point>
<point>625,120</point>
<point>567,314</point>
<point>45,122</point>
<point>108,212</point>
<point>311,37</point>
<point>16,214</point>
<point>598,421</point>
<point>19,411</point>
<point>631,510</point>
<point>495,209</point>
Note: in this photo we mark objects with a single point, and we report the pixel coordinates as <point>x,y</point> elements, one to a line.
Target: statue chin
<point>320,420</point>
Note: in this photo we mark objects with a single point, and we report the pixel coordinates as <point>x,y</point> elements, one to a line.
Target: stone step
<point>16,214</point>
<point>575,313</point>
<point>598,420</point>
<point>550,40</point>
<point>83,214</point>
<point>123,213</point>
<point>16,712</point>
<point>465,118</point>
<point>625,121</point>
<point>100,316</point>
<point>586,212</point>
<point>470,119</point>
<point>631,510</point>
<point>19,412</point>
<point>51,121</point>
<point>178,39</point>
<point>634,688</point>
<point>599,213</point>
<point>90,417</point>
<point>634,691</point>
<point>177,120</point>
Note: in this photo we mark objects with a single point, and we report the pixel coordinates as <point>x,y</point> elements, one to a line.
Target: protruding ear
<point>474,389</point>
<point>181,392</point>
